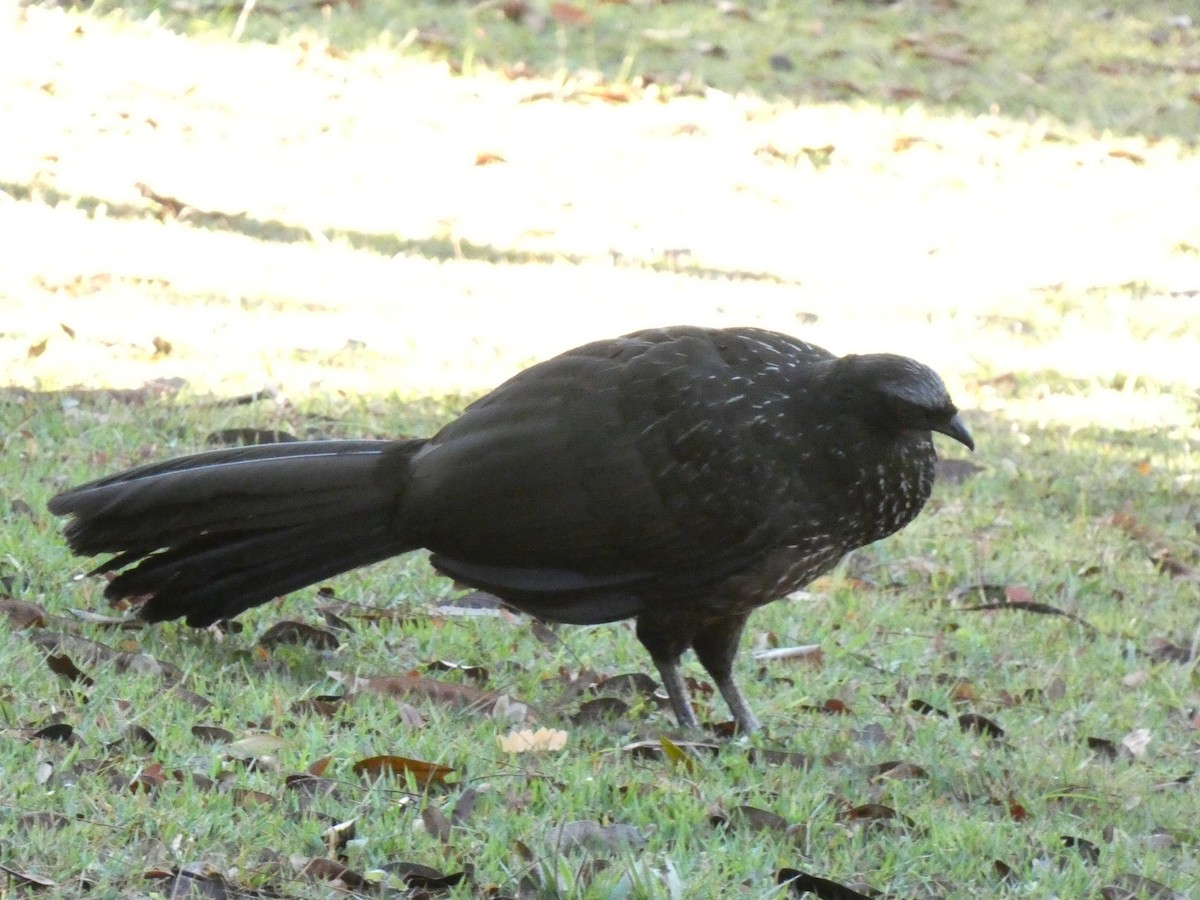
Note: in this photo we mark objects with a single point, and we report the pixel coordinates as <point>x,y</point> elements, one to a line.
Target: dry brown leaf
<point>566,14</point>
<point>875,814</point>
<point>424,773</point>
<point>436,823</point>
<point>752,818</point>
<point>17,877</point>
<point>896,769</point>
<point>801,883</point>
<point>288,632</point>
<point>245,798</point>
<point>463,807</point>
<point>1136,887</point>
<point>1136,158</point>
<point>322,869</point>
<point>213,733</point>
<point>147,779</point>
<point>1136,679</point>
<point>831,707</point>
<point>1169,565</point>
<point>980,724</point>
<point>22,614</point>
<point>422,880</point>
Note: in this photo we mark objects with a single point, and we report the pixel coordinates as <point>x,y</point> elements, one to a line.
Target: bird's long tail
<point>208,536</point>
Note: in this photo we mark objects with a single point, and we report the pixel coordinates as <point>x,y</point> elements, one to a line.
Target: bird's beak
<point>956,429</point>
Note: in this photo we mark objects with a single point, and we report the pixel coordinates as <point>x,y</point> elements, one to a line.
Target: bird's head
<point>901,393</point>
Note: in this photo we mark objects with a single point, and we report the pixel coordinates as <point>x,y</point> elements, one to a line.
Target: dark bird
<point>679,476</point>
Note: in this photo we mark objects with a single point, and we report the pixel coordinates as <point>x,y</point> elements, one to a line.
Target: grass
<point>379,212</point>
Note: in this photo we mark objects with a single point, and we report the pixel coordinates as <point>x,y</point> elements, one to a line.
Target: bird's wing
<point>622,460</point>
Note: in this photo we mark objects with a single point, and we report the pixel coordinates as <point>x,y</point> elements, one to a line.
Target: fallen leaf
<point>831,707</point>
<point>675,753</point>
<point>59,732</point>
<point>436,823</point>
<point>1135,887</point>
<point>1089,851</point>
<point>27,877</point>
<point>752,818</point>
<point>338,835</point>
<point>147,779</point>
<point>980,725</point>
<point>527,741</point>
<point>61,664</point>
<point>22,614</point>
<point>566,14</point>
<point>875,814</point>
<point>601,709</point>
<point>655,749</point>
<point>592,837</point>
<point>1136,679</point>
<point>1166,563</point>
<point>896,769</point>
<point>1136,158</point>
<point>255,745</point>
<point>474,672</point>
<point>1162,650</point>
<point>463,807</point>
<point>1137,741</point>
<point>802,883</point>
<point>323,869</point>
<point>1103,746</point>
<point>423,773</point>
<point>422,881</point>
<point>213,733</point>
<point>287,632</point>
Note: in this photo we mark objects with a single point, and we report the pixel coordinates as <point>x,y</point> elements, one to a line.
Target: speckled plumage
<point>682,476</point>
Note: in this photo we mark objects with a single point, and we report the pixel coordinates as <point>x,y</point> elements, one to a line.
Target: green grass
<point>999,189</point>
<point>890,633</point>
<point>1125,67</point>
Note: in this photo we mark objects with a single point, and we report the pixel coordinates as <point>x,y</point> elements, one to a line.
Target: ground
<point>368,215</point>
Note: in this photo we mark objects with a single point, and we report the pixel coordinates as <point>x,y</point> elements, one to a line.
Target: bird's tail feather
<point>208,536</point>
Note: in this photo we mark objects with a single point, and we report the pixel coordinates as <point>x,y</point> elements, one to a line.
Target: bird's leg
<point>677,692</point>
<point>716,644</point>
<point>666,641</point>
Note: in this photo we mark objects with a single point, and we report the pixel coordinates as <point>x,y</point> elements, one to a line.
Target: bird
<point>679,476</point>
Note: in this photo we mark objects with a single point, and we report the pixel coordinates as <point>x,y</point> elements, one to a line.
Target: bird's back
<point>675,466</point>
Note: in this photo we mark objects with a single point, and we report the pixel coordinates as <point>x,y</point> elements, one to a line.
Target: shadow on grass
<point>162,208</point>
